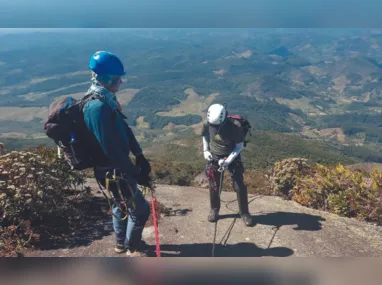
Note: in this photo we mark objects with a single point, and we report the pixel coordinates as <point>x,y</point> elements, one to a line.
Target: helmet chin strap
<point>224,121</point>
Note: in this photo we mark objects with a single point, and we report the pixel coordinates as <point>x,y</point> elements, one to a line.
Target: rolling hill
<point>291,84</point>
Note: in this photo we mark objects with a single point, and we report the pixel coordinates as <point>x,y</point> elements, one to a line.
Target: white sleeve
<point>206,145</point>
<point>239,147</point>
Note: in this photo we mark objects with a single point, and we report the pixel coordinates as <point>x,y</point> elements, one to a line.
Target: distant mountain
<point>284,81</point>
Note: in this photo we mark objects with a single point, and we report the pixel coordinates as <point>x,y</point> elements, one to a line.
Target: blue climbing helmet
<point>106,63</point>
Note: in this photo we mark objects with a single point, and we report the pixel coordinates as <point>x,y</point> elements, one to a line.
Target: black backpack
<point>65,125</point>
<point>244,123</point>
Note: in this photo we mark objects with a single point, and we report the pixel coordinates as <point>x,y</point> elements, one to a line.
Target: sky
<point>191,13</point>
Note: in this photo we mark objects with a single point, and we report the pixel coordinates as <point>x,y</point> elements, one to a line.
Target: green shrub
<point>172,173</point>
<point>342,191</point>
<point>33,187</point>
<point>284,174</point>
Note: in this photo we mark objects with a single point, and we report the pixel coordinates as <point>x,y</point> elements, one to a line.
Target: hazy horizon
<point>198,13</point>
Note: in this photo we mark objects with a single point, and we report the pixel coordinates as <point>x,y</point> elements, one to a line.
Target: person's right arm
<point>206,143</point>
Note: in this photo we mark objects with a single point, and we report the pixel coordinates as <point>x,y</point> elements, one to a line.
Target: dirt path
<point>283,228</point>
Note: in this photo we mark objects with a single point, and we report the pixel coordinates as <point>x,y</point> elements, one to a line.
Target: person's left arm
<point>134,145</point>
<point>136,149</point>
<point>239,145</point>
<point>236,151</point>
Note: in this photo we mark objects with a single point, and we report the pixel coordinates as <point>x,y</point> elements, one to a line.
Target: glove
<point>144,180</point>
<point>223,163</point>
<point>207,155</point>
<point>143,177</point>
<point>143,164</point>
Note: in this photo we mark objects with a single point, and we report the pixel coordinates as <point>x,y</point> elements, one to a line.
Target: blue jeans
<point>128,231</point>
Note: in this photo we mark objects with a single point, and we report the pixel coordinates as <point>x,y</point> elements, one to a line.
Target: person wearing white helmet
<point>223,141</point>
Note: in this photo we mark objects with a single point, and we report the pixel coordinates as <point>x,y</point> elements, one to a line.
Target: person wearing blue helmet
<point>105,120</point>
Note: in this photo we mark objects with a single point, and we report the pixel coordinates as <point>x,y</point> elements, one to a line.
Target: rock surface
<point>282,228</point>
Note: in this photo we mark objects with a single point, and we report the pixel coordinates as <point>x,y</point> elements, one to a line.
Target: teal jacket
<point>114,135</point>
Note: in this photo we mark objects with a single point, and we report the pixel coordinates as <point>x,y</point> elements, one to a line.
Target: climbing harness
<point>116,178</point>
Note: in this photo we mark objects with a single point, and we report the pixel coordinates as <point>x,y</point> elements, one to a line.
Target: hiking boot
<point>143,245</point>
<point>247,219</point>
<point>242,199</point>
<point>119,248</point>
<point>136,253</point>
<point>213,216</point>
<point>141,251</point>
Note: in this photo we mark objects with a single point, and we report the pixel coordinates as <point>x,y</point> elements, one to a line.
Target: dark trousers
<point>236,170</point>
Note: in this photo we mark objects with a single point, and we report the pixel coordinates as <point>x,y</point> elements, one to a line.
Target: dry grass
<point>197,128</point>
<point>126,95</point>
<point>141,124</point>
<point>71,74</point>
<point>314,70</point>
<point>39,80</point>
<point>219,72</point>
<point>22,114</point>
<point>246,54</point>
<point>330,133</point>
<point>69,86</point>
<point>333,132</point>
<point>340,83</point>
<point>170,134</point>
<point>14,71</point>
<point>171,126</point>
<point>194,104</point>
<point>33,96</point>
<point>366,97</point>
<point>305,47</point>
<point>37,136</point>
<point>303,103</point>
<point>13,135</point>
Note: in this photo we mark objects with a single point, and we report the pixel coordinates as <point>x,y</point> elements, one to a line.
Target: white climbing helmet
<point>216,114</point>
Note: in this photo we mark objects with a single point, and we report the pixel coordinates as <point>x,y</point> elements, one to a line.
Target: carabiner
<point>221,169</point>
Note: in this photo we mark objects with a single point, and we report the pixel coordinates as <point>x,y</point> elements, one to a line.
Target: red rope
<point>153,200</point>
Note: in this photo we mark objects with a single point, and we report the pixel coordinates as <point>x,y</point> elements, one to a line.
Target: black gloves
<point>144,181</point>
<point>143,164</point>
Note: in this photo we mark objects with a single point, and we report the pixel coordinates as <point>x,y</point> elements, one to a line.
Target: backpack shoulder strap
<point>234,119</point>
<point>92,96</point>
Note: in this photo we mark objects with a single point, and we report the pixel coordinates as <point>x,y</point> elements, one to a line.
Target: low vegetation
<point>172,173</point>
<point>336,189</point>
<point>34,203</point>
<point>38,190</point>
